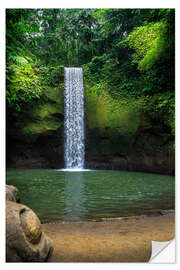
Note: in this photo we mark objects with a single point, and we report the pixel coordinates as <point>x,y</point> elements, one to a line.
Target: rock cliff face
<point>115,139</point>
<point>141,156</point>
<point>36,140</point>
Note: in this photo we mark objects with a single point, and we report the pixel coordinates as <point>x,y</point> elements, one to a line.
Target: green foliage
<point>23,84</point>
<point>67,37</point>
<point>148,42</point>
<point>127,57</point>
<point>162,110</point>
<point>21,24</point>
<point>52,75</point>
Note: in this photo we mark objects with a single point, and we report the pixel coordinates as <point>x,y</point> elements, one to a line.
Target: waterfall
<point>74,118</point>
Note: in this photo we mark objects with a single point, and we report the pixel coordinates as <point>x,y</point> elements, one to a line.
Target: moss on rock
<point>116,121</point>
<point>55,94</point>
<point>45,118</point>
<point>46,111</point>
<point>32,130</point>
<point>104,112</point>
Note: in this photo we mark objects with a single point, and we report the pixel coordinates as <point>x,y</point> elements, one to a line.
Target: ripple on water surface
<point>85,195</point>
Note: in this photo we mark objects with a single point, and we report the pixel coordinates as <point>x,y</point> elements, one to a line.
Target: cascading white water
<point>74,149</point>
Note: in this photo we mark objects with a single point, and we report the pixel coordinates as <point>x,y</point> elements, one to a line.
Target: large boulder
<point>25,241</point>
<point>12,194</point>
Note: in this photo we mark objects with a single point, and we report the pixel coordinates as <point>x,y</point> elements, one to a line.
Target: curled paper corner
<point>163,252</point>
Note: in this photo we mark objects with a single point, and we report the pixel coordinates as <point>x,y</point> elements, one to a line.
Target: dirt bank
<point>127,240</point>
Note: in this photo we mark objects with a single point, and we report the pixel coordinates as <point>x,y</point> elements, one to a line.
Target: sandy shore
<point>127,240</point>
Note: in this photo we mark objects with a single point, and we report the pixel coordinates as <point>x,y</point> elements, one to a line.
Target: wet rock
<point>25,241</point>
<point>12,194</point>
<point>163,212</point>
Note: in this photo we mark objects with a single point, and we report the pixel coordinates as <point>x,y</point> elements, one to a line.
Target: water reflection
<point>74,200</point>
<point>68,196</point>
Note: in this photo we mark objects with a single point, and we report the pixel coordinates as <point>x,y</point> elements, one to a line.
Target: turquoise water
<point>87,195</point>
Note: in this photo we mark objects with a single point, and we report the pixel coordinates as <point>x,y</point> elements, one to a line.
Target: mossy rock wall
<point>39,140</point>
<point>118,135</point>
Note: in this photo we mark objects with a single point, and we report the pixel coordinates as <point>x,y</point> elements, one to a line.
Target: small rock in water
<point>163,212</point>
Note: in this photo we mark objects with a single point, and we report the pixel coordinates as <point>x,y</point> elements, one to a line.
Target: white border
<point>76,4</point>
<point>90,4</point>
<point>2,134</point>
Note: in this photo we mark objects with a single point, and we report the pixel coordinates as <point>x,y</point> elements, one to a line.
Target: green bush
<point>22,82</point>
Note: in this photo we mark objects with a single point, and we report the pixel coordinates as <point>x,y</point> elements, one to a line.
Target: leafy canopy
<point>148,42</point>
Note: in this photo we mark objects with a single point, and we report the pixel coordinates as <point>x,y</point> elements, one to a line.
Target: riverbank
<point>126,240</point>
